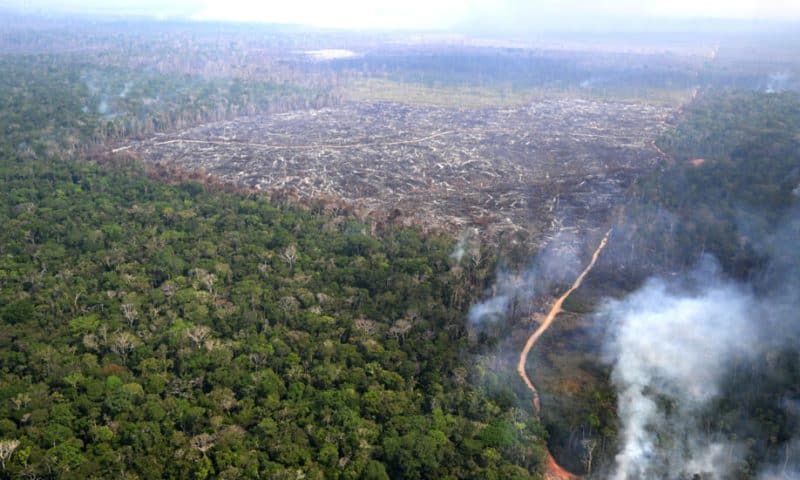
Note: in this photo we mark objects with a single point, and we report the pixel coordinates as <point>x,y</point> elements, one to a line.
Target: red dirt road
<point>554,470</point>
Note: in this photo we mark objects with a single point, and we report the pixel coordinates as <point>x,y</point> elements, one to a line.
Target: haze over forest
<point>373,240</point>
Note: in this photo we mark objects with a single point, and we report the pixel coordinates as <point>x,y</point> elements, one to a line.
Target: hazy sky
<point>422,14</point>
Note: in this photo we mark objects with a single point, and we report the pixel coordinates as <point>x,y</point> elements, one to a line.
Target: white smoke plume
<point>490,310</point>
<point>677,342</point>
<point>671,344</point>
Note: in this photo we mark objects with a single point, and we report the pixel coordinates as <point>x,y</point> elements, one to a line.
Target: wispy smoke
<point>490,310</point>
<point>778,82</point>
<point>465,241</point>
<point>671,344</point>
<point>786,469</point>
<point>558,263</point>
<point>125,90</point>
<point>102,107</point>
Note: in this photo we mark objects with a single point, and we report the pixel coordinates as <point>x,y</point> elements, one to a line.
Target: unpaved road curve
<point>554,471</point>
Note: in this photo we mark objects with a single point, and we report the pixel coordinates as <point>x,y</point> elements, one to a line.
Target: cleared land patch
<point>551,163</point>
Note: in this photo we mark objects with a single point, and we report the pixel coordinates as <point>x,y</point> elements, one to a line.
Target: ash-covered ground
<point>552,164</point>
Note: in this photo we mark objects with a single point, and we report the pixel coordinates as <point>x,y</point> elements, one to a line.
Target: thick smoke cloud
<point>675,342</point>
<point>672,342</point>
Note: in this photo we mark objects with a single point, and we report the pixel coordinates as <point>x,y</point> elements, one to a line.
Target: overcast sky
<point>423,14</point>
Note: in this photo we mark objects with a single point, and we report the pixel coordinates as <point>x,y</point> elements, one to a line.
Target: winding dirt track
<point>554,470</point>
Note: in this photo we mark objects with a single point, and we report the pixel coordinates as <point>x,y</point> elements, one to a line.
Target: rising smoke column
<point>466,241</point>
<point>670,344</point>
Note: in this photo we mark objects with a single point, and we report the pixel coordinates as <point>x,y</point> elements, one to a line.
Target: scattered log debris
<point>553,164</point>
